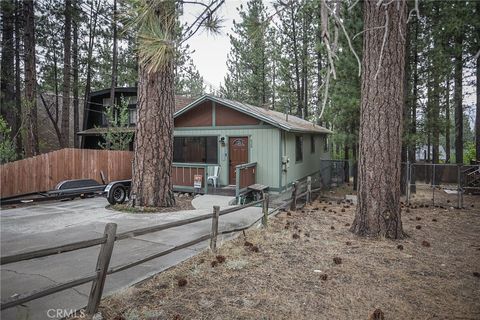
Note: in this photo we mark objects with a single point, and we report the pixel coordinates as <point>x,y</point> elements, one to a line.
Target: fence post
<point>433,185</point>
<point>407,182</point>
<point>293,204</point>
<point>205,177</point>
<point>459,186</point>
<point>213,238</point>
<point>237,184</point>
<point>309,189</point>
<point>102,267</point>
<point>265,210</point>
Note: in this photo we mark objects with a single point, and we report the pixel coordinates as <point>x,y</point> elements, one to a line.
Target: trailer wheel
<point>117,194</point>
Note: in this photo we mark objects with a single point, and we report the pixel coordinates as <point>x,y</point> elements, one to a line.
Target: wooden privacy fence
<point>107,242</point>
<point>43,172</point>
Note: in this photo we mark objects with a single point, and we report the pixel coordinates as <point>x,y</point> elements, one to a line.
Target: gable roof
<point>274,118</point>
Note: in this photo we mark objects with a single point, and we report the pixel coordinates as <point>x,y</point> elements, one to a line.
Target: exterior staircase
<point>471,179</point>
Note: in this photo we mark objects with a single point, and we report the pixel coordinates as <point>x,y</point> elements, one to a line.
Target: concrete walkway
<point>45,225</point>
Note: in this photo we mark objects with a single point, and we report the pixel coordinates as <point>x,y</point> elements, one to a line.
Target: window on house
<point>298,148</point>
<point>325,146</point>
<point>195,149</point>
<point>132,116</point>
<point>312,143</point>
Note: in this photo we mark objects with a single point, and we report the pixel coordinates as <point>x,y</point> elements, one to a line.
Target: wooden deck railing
<point>183,175</point>
<point>246,175</point>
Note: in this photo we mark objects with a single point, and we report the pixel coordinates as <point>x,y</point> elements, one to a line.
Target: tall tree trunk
<point>447,121</point>
<point>76,106</point>
<point>31,145</point>
<point>477,118</point>
<point>413,108</point>
<point>435,118</point>
<point>7,88</point>
<point>346,163</point>
<point>457,96</point>
<point>57,100</point>
<point>435,105</point>
<point>152,169</point>
<point>296,62</point>
<point>152,180</point>
<point>318,39</point>
<point>91,42</point>
<point>378,211</point>
<point>113,81</point>
<point>67,45</point>
<point>18,74</point>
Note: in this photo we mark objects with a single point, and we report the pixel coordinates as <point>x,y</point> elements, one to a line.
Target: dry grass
<point>323,272</point>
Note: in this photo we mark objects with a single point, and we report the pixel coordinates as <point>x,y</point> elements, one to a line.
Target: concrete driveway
<point>45,225</point>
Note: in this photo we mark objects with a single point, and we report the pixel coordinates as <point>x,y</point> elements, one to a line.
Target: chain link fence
<point>332,173</point>
<point>441,185</point>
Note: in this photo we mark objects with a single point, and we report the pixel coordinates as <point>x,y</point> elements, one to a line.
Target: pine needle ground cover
<point>307,265</point>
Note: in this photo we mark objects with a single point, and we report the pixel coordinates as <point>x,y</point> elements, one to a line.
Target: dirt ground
<point>307,265</point>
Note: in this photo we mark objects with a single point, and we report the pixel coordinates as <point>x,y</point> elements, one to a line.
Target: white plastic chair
<point>213,174</point>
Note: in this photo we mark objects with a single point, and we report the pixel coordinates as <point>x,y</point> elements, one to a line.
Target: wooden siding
<point>44,172</point>
<point>199,116</point>
<point>264,144</point>
<point>311,161</point>
<point>229,117</point>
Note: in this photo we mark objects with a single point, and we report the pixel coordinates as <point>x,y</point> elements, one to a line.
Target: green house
<point>265,146</point>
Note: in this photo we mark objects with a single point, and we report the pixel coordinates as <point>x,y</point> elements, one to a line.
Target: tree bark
<point>447,121</point>
<point>31,145</point>
<point>152,181</point>
<point>113,80</point>
<point>457,96</point>
<point>378,212</point>
<point>413,109</point>
<point>76,103</point>
<point>91,42</point>
<point>152,173</point>
<point>67,45</point>
<point>477,118</point>
<point>18,73</point>
<point>7,89</point>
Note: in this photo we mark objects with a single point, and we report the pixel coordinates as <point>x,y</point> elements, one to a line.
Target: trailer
<point>115,192</point>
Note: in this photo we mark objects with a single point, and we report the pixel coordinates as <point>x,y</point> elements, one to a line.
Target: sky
<point>210,56</point>
<point>210,51</point>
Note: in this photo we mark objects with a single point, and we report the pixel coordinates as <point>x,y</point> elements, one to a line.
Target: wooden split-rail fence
<point>107,242</point>
<point>110,237</point>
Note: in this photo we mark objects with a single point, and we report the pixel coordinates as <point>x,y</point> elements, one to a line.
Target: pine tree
<point>378,211</point>
<point>248,77</point>
<point>7,89</point>
<point>31,143</point>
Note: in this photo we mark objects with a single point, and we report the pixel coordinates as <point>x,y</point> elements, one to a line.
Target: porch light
<point>222,141</point>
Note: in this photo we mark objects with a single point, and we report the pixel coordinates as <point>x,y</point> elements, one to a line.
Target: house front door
<point>238,154</point>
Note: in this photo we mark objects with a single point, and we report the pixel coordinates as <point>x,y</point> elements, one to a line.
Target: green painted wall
<point>311,161</point>
<point>264,148</point>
